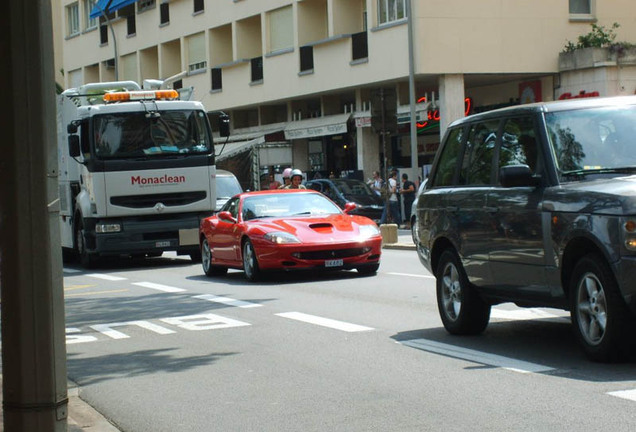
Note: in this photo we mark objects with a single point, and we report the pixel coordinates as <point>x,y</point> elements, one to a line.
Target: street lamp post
<point>413,120</point>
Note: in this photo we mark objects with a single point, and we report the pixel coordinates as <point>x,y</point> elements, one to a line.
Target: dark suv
<point>536,205</point>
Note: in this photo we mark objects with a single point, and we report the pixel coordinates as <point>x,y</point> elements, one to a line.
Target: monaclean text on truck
<point>136,171</point>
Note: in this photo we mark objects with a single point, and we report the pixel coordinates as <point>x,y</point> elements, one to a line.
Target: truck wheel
<point>599,314</point>
<point>86,259</point>
<point>462,310</point>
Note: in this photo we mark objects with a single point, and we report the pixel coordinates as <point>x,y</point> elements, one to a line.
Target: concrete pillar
<point>451,100</point>
<point>33,338</point>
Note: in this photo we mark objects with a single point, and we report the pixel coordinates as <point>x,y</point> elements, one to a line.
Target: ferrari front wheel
<point>250,263</point>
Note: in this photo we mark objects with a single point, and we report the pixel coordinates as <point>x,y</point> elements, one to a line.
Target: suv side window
<point>447,164</point>
<point>519,144</point>
<point>477,161</point>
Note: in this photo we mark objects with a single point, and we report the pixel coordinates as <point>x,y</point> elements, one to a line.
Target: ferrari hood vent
<point>321,226</point>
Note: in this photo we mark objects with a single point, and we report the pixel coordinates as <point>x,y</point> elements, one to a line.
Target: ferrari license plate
<point>333,263</point>
<point>162,243</point>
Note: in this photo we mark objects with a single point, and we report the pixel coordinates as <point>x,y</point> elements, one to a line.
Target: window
<point>476,166</point>
<point>580,7</point>
<point>196,52</point>
<point>131,25</point>
<point>359,46</point>
<point>257,69</point>
<point>89,22</point>
<point>519,144</point>
<point>145,4</point>
<point>447,164</point>
<point>217,78</point>
<point>103,33</point>
<point>281,29</point>
<point>199,6</point>
<point>306,58</point>
<point>164,13</point>
<point>72,19</point>
<point>391,10</point>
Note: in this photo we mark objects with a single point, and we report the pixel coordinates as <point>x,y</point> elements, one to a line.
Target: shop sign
<point>333,129</point>
<point>433,116</point>
<point>582,94</point>
<point>363,121</point>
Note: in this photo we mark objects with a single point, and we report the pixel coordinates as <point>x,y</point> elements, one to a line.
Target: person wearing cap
<point>296,180</point>
<point>286,178</point>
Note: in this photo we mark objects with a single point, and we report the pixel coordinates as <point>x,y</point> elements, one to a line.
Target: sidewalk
<point>81,416</point>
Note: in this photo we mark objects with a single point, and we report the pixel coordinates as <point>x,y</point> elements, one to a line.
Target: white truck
<point>136,171</point>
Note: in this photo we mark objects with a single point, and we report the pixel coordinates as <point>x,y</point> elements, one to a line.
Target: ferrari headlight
<point>281,237</point>
<point>368,231</point>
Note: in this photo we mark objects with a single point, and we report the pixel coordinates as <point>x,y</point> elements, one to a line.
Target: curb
<point>400,246</point>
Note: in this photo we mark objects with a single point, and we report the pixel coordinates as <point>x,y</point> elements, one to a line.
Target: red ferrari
<point>287,230</point>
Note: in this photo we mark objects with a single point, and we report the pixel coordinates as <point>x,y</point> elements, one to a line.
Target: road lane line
<point>455,351</point>
<point>325,322</point>
<point>525,314</point>
<point>164,288</point>
<point>227,301</point>
<point>95,293</point>
<point>411,275</point>
<point>106,277</point>
<point>74,287</point>
<point>624,394</point>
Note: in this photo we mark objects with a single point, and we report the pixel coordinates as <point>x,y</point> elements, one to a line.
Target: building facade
<point>304,81</point>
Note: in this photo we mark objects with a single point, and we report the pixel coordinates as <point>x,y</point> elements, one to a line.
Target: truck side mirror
<point>74,146</point>
<point>224,125</point>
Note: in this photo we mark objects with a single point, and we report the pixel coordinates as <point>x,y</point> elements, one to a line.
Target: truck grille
<point>149,201</point>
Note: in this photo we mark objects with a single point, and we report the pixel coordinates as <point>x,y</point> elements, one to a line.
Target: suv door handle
<point>492,209</point>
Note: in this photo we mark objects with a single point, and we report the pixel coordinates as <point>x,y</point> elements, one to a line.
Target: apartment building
<point>302,80</point>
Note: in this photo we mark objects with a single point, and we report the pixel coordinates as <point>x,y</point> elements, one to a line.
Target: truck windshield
<point>142,134</point>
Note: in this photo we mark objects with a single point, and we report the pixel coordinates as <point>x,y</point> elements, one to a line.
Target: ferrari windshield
<point>593,140</point>
<point>149,134</point>
<point>287,205</point>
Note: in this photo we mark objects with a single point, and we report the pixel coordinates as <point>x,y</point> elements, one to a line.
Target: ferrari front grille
<point>331,254</point>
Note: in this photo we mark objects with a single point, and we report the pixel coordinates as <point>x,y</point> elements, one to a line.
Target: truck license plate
<point>162,243</point>
<point>333,263</point>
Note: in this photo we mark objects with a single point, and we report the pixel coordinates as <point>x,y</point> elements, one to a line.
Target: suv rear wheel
<point>599,315</point>
<point>461,309</point>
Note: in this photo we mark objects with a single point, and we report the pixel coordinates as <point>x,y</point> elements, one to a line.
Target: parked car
<point>536,205</point>
<point>342,191</point>
<point>294,229</point>
<point>226,187</point>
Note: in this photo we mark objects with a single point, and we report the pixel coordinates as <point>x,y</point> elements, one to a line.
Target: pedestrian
<point>376,183</point>
<point>393,210</point>
<point>273,183</point>
<point>286,178</point>
<point>407,192</point>
<point>296,180</point>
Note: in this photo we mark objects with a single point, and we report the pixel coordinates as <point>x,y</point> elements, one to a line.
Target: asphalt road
<point>155,345</point>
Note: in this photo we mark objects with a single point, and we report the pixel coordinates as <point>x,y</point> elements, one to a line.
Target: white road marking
<point>164,288</point>
<point>325,322</point>
<point>477,356</point>
<point>204,322</point>
<point>69,270</point>
<point>106,277</point>
<point>625,394</point>
<point>228,301</point>
<point>411,275</point>
<point>525,314</point>
<point>107,329</point>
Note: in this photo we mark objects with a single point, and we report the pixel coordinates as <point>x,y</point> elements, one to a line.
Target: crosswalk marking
<point>624,394</point>
<point>106,277</point>
<point>325,322</point>
<point>526,314</point>
<point>411,275</point>
<point>228,301</point>
<point>164,288</point>
<point>476,356</point>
